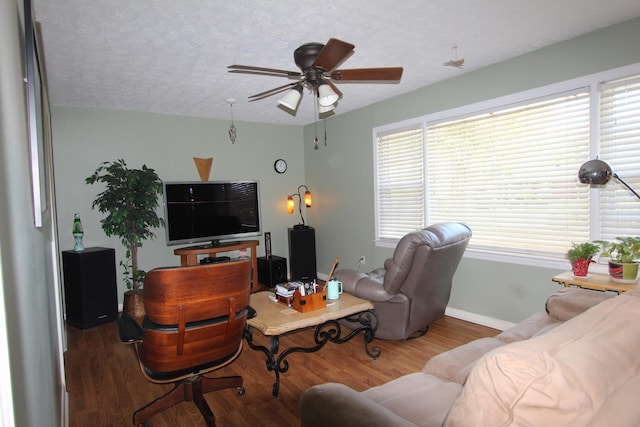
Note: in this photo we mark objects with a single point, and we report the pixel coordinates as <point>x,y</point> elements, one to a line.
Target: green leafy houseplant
<point>580,256</point>
<point>622,250</point>
<point>130,200</point>
<point>624,253</point>
<point>582,251</point>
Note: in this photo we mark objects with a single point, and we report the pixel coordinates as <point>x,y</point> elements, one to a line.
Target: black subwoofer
<point>90,291</point>
<point>272,270</point>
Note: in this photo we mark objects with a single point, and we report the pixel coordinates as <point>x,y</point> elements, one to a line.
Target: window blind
<point>511,175</point>
<point>399,166</point>
<point>618,208</point>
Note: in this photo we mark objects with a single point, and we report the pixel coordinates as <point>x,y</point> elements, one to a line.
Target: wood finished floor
<point>106,386</point>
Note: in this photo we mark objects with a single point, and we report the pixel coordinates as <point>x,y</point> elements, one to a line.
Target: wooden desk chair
<point>194,324</point>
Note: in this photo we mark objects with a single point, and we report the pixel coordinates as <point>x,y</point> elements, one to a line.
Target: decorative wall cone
<point>204,167</point>
<point>133,304</point>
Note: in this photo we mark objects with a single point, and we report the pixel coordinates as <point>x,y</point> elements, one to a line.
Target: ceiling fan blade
<point>332,54</point>
<point>335,89</point>
<point>258,73</point>
<point>261,70</point>
<point>270,92</point>
<point>391,73</point>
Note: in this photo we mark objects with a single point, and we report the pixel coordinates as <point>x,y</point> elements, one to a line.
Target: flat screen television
<point>211,211</point>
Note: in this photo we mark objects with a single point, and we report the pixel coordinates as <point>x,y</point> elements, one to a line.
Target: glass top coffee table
<point>275,319</point>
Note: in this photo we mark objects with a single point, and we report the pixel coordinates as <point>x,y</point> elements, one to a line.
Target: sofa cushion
<point>333,404</point>
<point>569,302</point>
<point>421,399</point>
<point>621,408</point>
<point>527,328</point>
<point>563,377</point>
<point>451,364</point>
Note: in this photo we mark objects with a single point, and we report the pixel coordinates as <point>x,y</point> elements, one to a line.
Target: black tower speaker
<point>90,292</point>
<point>272,270</point>
<point>302,253</point>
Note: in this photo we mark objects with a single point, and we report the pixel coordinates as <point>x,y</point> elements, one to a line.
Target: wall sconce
<point>307,202</point>
<point>598,172</point>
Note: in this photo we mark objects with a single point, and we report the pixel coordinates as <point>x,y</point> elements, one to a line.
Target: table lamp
<point>307,202</point>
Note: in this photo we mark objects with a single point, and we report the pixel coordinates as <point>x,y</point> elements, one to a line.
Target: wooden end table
<point>593,281</point>
<point>275,319</point>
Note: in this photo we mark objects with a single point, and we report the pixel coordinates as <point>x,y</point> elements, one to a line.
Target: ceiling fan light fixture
<point>326,95</point>
<point>317,63</point>
<point>292,98</point>
<point>323,110</point>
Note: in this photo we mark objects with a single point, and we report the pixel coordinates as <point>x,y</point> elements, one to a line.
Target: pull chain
<point>325,132</point>
<point>315,125</point>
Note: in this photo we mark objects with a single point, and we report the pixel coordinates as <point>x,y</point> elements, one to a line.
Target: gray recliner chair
<point>413,288</point>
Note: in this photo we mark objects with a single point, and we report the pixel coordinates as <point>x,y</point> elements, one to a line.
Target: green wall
<point>342,173</point>
<point>31,389</point>
<point>85,137</point>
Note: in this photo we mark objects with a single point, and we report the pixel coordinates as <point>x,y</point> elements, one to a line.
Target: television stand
<point>189,255</point>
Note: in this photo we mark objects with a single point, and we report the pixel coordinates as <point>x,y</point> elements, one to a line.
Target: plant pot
<point>580,267</point>
<point>133,304</point>
<point>623,272</point>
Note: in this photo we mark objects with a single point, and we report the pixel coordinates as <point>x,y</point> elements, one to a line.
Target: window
<point>400,182</point>
<point>509,170</point>
<point>620,147</point>
<point>511,174</point>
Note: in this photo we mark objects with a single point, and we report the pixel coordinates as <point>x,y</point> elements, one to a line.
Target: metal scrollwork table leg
<point>330,330</point>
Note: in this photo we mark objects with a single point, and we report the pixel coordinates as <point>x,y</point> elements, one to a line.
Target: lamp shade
<point>307,198</point>
<point>322,109</point>
<point>292,98</point>
<point>290,205</point>
<point>326,95</point>
<point>595,172</point>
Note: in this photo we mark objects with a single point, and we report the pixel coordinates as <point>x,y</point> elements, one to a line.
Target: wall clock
<point>280,166</point>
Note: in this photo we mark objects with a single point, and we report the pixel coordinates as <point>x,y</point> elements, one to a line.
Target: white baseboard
<point>478,319</point>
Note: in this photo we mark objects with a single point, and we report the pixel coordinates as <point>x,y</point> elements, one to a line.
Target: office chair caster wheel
<point>240,391</point>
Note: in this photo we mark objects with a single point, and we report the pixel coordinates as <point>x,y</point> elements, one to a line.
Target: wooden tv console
<point>189,255</point>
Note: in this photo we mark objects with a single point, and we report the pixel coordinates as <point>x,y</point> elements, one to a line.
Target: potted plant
<point>624,253</point>
<point>580,256</point>
<point>130,199</point>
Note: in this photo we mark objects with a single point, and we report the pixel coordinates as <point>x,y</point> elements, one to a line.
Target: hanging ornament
<point>232,128</point>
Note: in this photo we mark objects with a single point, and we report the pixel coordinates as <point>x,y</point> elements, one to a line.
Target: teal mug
<point>334,289</point>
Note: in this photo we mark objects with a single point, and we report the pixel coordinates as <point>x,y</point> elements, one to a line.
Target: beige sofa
<point>578,364</point>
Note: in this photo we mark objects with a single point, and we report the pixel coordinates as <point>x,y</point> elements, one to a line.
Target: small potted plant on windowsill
<point>624,253</point>
<point>580,256</point>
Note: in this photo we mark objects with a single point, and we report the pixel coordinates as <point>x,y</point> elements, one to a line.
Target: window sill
<point>512,258</point>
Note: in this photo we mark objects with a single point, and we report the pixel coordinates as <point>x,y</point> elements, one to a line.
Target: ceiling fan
<point>317,63</point>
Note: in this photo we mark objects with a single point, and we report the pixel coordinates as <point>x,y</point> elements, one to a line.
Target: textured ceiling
<point>171,56</point>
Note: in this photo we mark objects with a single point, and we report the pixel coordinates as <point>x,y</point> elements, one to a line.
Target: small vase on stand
<point>77,233</point>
